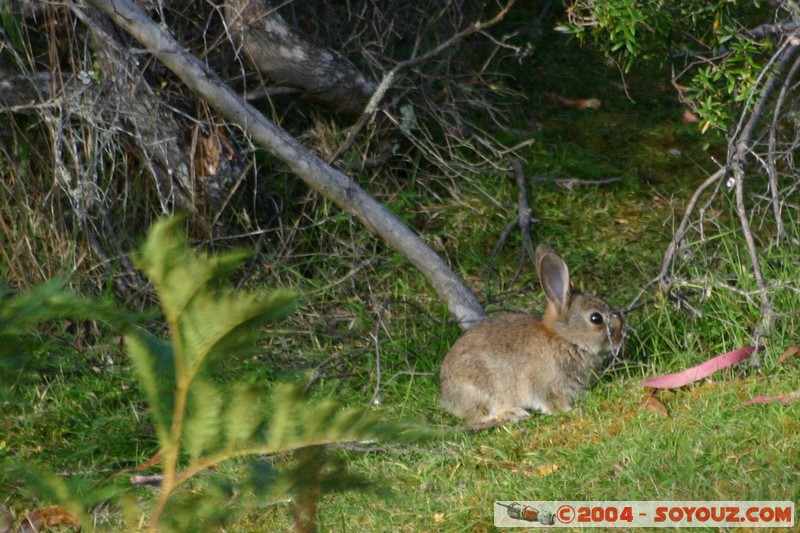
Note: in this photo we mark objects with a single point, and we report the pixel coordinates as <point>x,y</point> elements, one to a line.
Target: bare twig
<point>140,480</point>
<point>742,148</point>
<point>772,167</point>
<point>391,77</point>
<point>570,183</point>
<point>522,221</point>
<point>376,338</point>
<point>678,235</point>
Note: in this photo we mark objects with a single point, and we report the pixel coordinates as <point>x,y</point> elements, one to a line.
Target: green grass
<point>87,417</point>
<point>609,448</point>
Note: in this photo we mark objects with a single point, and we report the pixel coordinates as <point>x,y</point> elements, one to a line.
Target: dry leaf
<point>652,403</point>
<point>703,370</point>
<point>790,351</point>
<point>211,151</point>
<point>547,470</point>
<point>688,116</point>
<point>786,398</point>
<point>569,103</point>
<point>50,517</point>
<point>617,468</point>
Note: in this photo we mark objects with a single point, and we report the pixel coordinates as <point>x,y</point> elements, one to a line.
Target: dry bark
<point>288,58</point>
<point>162,135</point>
<point>192,169</point>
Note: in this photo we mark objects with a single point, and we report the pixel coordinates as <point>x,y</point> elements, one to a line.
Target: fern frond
<point>214,324</point>
<point>177,272</point>
<point>154,365</point>
<point>203,421</point>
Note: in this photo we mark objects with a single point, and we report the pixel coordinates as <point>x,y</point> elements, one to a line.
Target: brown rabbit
<point>511,363</point>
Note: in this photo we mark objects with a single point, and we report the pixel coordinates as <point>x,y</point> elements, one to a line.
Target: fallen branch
<point>571,183</point>
<point>320,176</point>
<point>289,59</point>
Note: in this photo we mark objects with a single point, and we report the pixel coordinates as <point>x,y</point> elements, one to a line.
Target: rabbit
<point>509,364</point>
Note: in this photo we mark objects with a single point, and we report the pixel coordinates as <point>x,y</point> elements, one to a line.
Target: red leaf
<point>787,398</point>
<point>690,375</point>
<point>790,351</point>
<point>50,517</point>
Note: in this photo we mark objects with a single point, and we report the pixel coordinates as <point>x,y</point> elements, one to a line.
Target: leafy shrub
<point>200,423</point>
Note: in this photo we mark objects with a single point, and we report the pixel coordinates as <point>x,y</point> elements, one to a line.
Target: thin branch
<point>743,147</point>
<point>772,171</point>
<point>768,30</point>
<point>677,236</point>
<point>570,183</point>
<point>390,77</point>
<point>522,221</point>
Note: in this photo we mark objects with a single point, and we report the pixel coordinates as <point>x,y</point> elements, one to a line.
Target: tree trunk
<point>461,302</point>
<point>288,58</point>
<point>164,137</point>
<point>191,168</point>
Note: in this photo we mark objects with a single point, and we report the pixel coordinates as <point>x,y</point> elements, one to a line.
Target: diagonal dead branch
<point>333,184</point>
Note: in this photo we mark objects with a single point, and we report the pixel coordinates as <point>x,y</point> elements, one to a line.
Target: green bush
<point>201,423</point>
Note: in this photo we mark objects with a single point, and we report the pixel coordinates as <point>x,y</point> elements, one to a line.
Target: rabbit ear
<point>554,276</point>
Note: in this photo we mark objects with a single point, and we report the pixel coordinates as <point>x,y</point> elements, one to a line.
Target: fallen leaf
<point>438,518</point>
<point>570,103</point>
<point>617,468</point>
<point>790,351</point>
<point>651,403</point>
<point>50,517</point>
<point>547,470</point>
<point>690,375</point>
<point>688,116</point>
<point>787,398</point>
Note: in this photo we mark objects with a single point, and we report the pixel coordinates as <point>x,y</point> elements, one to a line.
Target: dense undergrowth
<point>371,333</point>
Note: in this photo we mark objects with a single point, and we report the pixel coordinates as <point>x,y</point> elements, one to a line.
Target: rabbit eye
<point>596,318</point>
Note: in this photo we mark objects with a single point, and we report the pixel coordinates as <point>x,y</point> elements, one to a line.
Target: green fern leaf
<point>283,407</point>
<point>242,418</point>
<point>21,313</point>
<point>155,367</point>
<point>176,271</point>
<point>203,425</point>
<point>223,324</point>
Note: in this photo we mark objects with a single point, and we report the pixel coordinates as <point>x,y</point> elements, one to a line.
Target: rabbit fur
<point>512,363</point>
